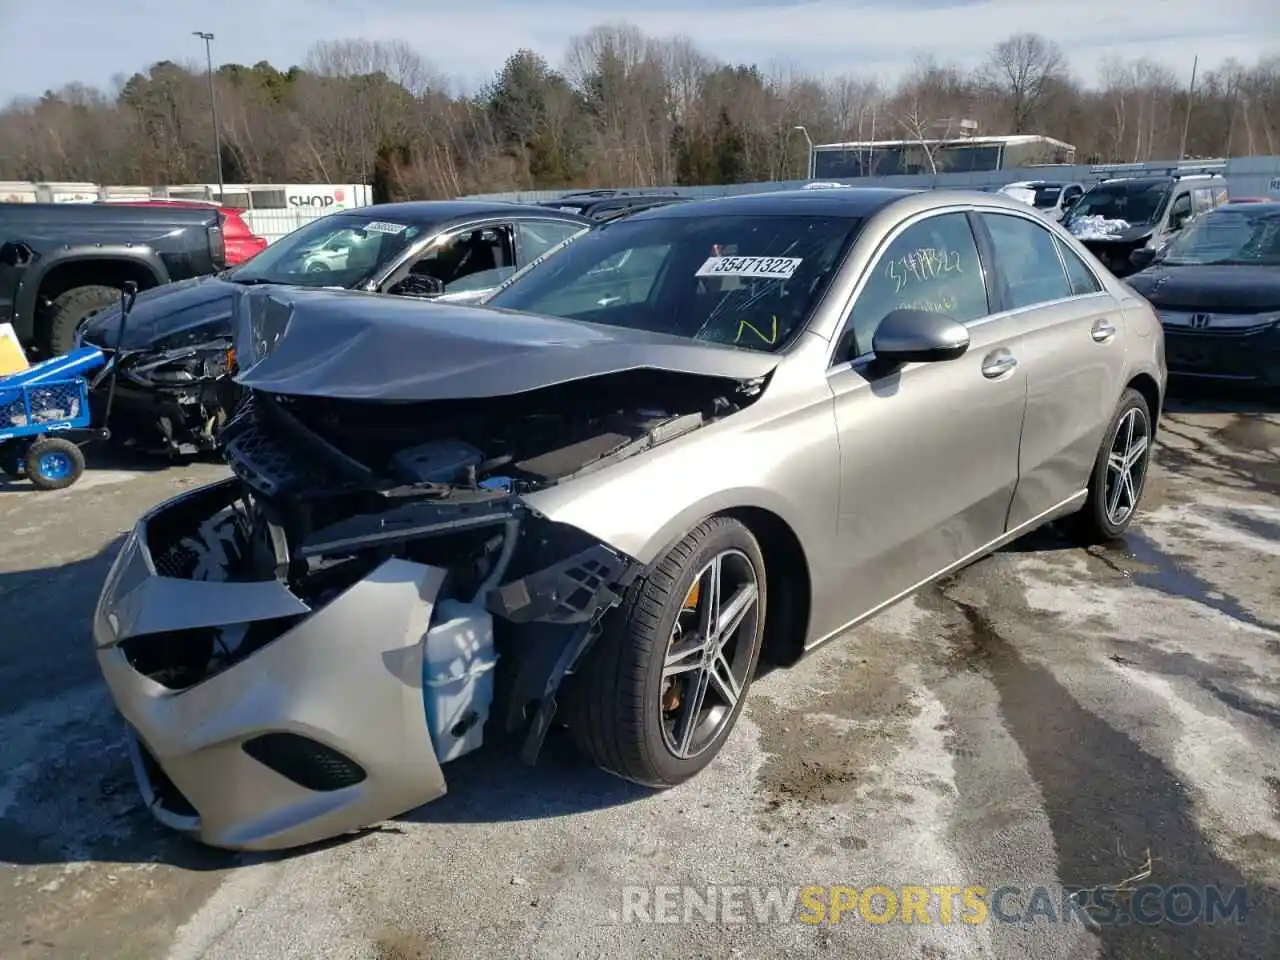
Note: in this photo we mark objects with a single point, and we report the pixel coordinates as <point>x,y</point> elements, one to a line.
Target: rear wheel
<point>661,689</point>
<point>68,314</point>
<point>1119,474</point>
<point>53,463</point>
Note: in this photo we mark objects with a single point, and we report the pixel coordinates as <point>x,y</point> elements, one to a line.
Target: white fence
<point>270,210</point>
<point>274,224</point>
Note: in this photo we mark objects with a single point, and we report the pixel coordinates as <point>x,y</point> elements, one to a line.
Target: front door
<point>1071,351</point>
<point>463,264</point>
<point>929,451</point>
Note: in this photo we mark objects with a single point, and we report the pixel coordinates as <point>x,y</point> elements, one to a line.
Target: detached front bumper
<point>259,722</point>
<point>319,732</point>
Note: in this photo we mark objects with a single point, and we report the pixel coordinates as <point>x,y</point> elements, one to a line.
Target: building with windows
<point>887,158</point>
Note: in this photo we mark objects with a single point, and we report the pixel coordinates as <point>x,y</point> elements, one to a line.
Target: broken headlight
<point>209,361</point>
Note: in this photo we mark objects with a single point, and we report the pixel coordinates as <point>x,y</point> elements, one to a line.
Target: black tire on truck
<point>68,312</point>
<point>630,702</point>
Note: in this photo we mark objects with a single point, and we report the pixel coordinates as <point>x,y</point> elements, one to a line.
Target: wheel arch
<point>790,586</point>
<point>1146,385</point>
<point>72,268</point>
<point>787,571</point>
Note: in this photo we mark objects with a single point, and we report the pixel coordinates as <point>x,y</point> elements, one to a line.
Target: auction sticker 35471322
<point>779,268</point>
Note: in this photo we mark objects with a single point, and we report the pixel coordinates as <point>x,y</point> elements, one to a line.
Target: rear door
<point>1070,350</point>
<point>928,451</point>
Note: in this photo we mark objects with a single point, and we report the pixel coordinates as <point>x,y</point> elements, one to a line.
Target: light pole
<point>808,170</point>
<point>213,108</point>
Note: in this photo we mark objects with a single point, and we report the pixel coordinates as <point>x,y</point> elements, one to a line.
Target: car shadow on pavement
<point>492,785</point>
<point>67,793</point>
<point>1113,807</point>
<point>101,457</point>
<point>1190,396</point>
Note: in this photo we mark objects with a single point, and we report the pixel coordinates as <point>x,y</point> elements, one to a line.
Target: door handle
<point>1102,331</point>
<point>998,364</point>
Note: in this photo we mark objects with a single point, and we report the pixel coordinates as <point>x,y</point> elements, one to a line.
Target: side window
<point>539,236</point>
<point>1180,211</point>
<point>1072,194</point>
<point>1027,256</point>
<point>1082,279</point>
<point>1201,200</point>
<point>931,265</point>
<point>469,260</point>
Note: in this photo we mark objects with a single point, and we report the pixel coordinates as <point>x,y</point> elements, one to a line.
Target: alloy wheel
<point>1127,466</point>
<point>709,653</point>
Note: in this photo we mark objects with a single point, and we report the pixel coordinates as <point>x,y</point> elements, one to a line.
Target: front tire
<point>1119,474</point>
<point>662,688</point>
<point>69,311</point>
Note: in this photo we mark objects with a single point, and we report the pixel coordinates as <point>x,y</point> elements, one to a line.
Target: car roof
<point>443,210</point>
<point>853,202</point>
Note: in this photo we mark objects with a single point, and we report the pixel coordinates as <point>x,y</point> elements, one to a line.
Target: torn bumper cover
<point>173,400</point>
<point>264,717</point>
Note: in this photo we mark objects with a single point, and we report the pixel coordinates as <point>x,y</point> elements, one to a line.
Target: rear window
<point>744,281</point>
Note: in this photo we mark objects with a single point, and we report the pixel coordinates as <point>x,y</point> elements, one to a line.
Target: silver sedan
<point>709,433</point>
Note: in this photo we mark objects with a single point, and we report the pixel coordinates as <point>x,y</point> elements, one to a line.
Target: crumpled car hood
<point>360,346</point>
<point>168,316</point>
<point>1094,228</point>
<point>1101,228</point>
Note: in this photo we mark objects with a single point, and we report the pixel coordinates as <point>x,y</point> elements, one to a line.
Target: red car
<point>242,243</point>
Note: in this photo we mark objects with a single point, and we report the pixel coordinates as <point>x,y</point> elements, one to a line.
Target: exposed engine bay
<point>328,490</point>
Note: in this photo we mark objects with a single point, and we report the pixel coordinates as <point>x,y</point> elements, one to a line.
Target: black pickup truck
<point>61,262</point>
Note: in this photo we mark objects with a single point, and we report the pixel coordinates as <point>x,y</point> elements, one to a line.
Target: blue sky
<point>47,43</point>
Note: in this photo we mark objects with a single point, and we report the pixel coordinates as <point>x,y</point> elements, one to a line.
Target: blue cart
<point>44,415</point>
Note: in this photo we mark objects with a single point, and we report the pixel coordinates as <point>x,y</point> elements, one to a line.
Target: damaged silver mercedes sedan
<point>706,434</point>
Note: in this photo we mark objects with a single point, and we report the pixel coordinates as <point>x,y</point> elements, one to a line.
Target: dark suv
<point>611,204</point>
<point>1116,218</point>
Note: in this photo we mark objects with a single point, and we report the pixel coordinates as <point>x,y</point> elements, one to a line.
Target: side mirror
<point>418,285</point>
<point>919,336</point>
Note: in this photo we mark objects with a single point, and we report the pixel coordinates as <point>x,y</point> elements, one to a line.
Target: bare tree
<point>1024,68</point>
<point>626,110</point>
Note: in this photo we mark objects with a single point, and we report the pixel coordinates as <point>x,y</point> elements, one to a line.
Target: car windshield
<point>1241,237</point>
<point>342,250</point>
<point>1131,202</point>
<point>745,281</point>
